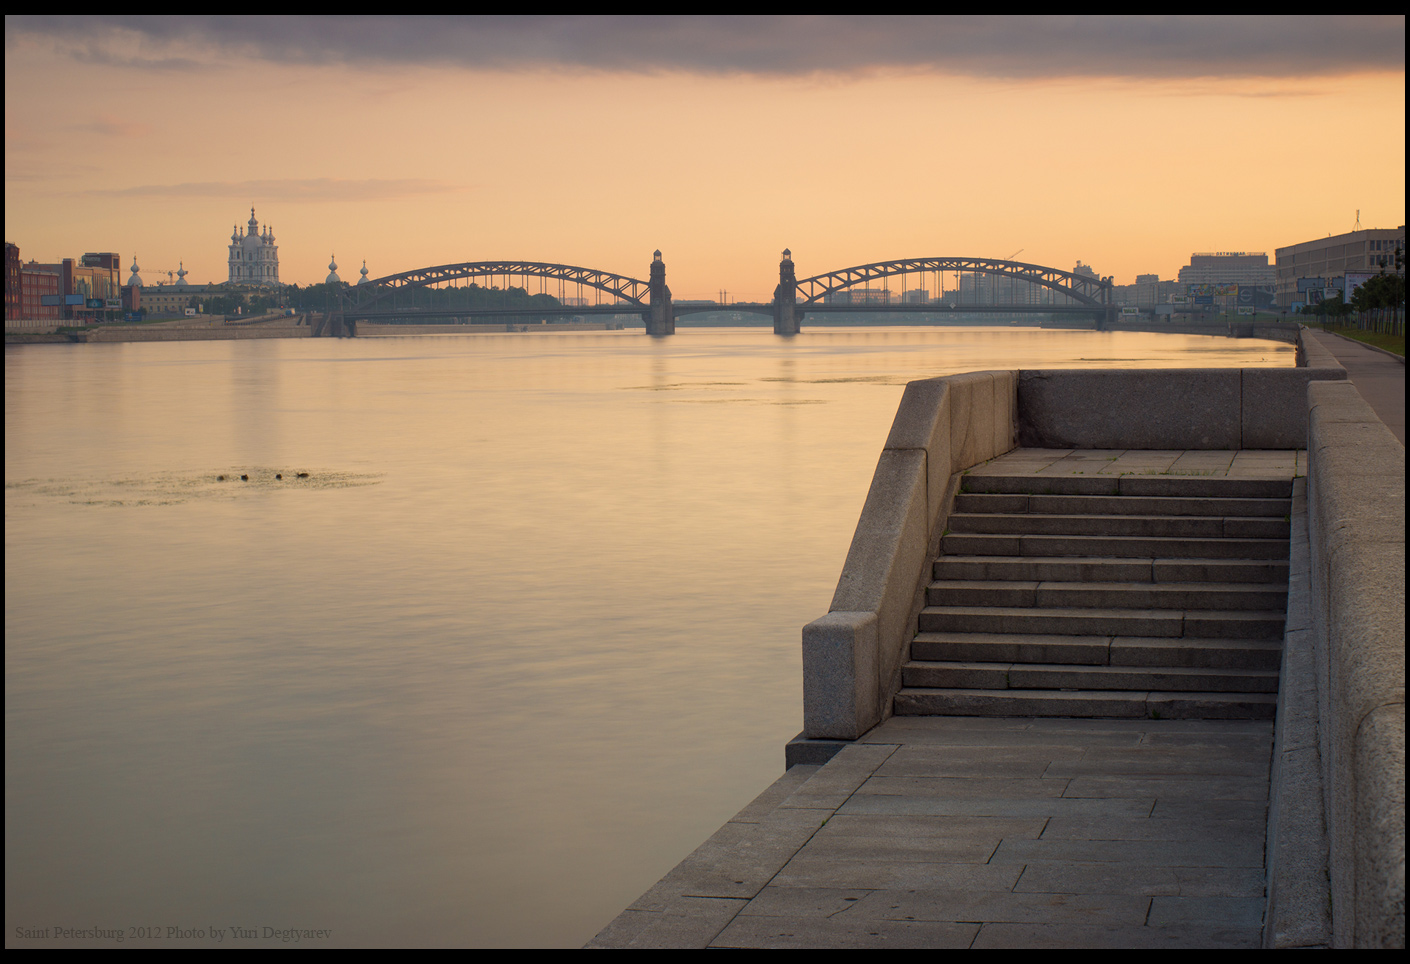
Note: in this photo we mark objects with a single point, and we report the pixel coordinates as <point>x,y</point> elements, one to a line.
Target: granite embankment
<point>968,831</point>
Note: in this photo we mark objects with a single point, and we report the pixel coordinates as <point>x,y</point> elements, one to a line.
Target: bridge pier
<point>661,319</point>
<point>787,318</point>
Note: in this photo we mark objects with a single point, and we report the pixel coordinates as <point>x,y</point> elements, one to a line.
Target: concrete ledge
<point>1356,514</point>
<point>1312,355</point>
<point>840,679</point>
<point>1274,413</point>
<point>1379,770</point>
<point>1250,408</point>
<point>1298,912</point>
<point>852,657</point>
<point>1130,408</point>
<point>802,751</point>
<point>888,552</point>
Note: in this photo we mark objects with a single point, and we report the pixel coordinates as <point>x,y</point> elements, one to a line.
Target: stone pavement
<point>964,832</point>
<point>1379,377</point>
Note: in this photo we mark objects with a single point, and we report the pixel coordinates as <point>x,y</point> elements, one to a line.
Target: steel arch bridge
<point>374,295</point>
<point>1084,289</point>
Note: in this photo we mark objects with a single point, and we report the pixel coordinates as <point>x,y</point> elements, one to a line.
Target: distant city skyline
<point>1126,143</point>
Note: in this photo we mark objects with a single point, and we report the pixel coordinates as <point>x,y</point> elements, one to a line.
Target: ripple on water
<point>174,488</point>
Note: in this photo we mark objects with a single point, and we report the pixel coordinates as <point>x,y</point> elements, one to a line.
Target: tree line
<point>1382,291</point>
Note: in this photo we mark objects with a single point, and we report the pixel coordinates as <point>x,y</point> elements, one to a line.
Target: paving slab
<point>1078,935</point>
<point>971,832</point>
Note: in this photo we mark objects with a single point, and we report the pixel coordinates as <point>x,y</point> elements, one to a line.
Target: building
<point>82,290</point>
<point>1328,263</point>
<point>174,299</point>
<point>1227,268</point>
<point>1225,280</point>
<point>1147,292</point>
<point>13,288</point>
<point>254,257</point>
<point>41,292</point>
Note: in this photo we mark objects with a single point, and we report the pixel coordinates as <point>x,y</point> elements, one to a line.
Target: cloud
<point>107,125</point>
<point>312,189</point>
<point>989,46</point>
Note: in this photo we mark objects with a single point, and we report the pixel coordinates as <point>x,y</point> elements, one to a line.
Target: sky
<point>1126,143</point>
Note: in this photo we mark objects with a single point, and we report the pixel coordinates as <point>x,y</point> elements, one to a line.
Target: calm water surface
<point>526,635</point>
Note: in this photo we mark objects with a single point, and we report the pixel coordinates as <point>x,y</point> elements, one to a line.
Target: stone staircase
<point>1059,597</point>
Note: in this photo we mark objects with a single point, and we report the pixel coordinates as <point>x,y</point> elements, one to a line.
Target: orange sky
<point>130,139</point>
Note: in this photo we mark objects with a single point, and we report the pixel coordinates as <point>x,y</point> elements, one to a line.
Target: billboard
<point>1211,290</point>
<point>1355,279</point>
<point>1256,296</point>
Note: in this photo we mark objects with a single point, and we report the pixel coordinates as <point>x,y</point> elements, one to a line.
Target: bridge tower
<point>787,317</point>
<point>661,319</point>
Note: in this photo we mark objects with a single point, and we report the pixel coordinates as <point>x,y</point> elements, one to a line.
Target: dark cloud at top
<point>1014,47</point>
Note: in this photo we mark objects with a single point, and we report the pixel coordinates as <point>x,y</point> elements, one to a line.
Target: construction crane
<point>1015,254</point>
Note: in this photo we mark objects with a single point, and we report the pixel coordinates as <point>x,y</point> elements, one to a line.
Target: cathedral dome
<point>135,279</point>
<point>332,278</point>
<point>363,272</point>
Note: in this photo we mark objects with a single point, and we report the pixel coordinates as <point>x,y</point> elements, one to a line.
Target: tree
<point>1382,291</point>
<point>1333,306</point>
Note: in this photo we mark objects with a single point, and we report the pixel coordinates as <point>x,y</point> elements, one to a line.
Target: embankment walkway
<point>1378,376</point>
<point>972,832</point>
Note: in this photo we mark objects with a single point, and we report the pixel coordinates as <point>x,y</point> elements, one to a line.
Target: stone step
<point>1154,651</point>
<point>1124,547</point>
<point>1054,676</point>
<point>1119,505</point>
<point>1072,569</point>
<point>1179,486</point>
<point>1163,526</point>
<point>1130,704</point>
<point>1079,621</point>
<point>1108,595</point>
<point>1090,596</point>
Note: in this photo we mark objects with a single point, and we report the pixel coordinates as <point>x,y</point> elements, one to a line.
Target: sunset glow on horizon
<point>1118,142</point>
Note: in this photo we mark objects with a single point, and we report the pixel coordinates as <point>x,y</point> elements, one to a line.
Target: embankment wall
<point>1356,532</point>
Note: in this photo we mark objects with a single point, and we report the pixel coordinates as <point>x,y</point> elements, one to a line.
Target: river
<point>525,635</point>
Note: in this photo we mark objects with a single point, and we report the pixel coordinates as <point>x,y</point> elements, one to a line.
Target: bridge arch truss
<point>1094,293</point>
<point>632,294</point>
